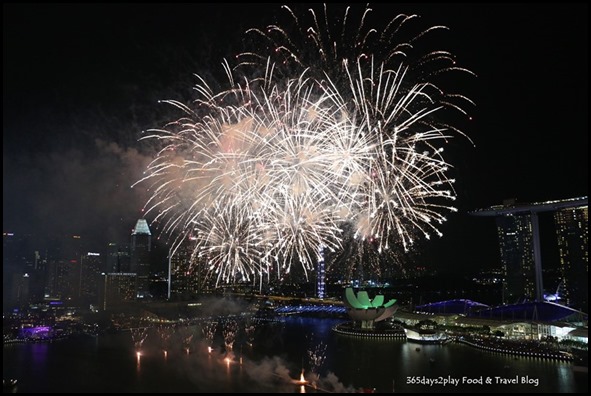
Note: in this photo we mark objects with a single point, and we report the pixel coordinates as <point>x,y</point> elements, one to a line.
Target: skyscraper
<point>24,270</point>
<point>320,274</point>
<point>184,277</point>
<point>90,274</point>
<point>520,247</point>
<point>573,245</point>
<point>118,258</point>
<point>141,245</point>
<point>63,254</point>
<point>119,289</point>
<point>517,257</point>
<point>62,280</point>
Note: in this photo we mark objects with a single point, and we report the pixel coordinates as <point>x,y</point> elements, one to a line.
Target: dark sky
<point>80,82</point>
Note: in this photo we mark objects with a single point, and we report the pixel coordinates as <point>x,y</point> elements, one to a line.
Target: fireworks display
<point>328,134</point>
<point>229,332</point>
<point>249,330</point>
<point>316,357</point>
<point>187,337</point>
<point>164,333</point>
<point>138,336</point>
<point>208,330</point>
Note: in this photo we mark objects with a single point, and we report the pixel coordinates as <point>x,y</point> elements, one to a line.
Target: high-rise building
<point>119,289</point>
<point>320,274</point>
<point>62,279</point>
<point>519,241</point>
<point>573,245</point>
<point>517,257</point>
<point>141,245</point>
<point>184,277</point>
<point>65,247</point>
<point>20,290</point>
<point>90,274</point>
<point>28,285</point>
<point>118,258</point>
<point>23,269</point>
<point>37,274</point>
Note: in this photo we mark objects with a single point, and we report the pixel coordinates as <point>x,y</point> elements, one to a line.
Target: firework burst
<point>229,332</point>
<point>138,336</point>
<point>315,142</point>
<point>208,330</point>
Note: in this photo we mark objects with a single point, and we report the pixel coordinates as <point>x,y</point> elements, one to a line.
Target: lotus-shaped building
<point>361,308</point>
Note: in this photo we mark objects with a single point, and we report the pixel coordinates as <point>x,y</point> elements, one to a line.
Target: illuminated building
<point>90,273</point>
<point>66,247</point>
<point>320,274</point>
<point>141,245</point>
<point>62,280</point>
<point>515,233</point>
<point>184,278</point>
<point>10,263</point>
<point>37,280</point>
<point>119,288</point>
<point>367,311</point>
<point>573,244</point>
<point>118,258</point>
<point>24,269</point>
<point>519,242</point>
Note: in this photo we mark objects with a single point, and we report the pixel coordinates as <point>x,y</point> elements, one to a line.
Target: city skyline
<point>520,249</point>
<point>68,271</point>
<point>80,120</point>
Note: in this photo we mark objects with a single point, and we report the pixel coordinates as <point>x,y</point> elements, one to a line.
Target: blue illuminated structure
<point>457,306</point>
<point>36,333</point>
<point>535,311</point>
<point>312,309</point>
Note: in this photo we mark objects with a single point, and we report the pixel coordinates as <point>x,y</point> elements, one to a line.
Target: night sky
<point>80,83</point>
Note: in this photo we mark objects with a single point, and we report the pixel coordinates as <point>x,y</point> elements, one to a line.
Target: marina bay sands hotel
<point>519,241</point>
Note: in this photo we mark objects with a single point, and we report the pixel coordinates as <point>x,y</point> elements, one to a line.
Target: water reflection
<point>39,353</point>
<point>273,358</point>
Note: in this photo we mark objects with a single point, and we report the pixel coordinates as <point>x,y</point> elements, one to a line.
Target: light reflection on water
<point>280,352</point>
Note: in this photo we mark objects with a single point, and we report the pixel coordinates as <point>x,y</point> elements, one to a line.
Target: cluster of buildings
<point>123,273</point>
<point>526,312</point>
<point>518,233</point>
<point>67,272</point>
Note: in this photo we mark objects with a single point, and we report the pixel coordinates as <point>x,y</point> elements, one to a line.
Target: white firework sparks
<point>283,164</point>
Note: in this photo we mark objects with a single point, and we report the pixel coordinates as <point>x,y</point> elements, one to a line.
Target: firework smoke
<point>309,148</point>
